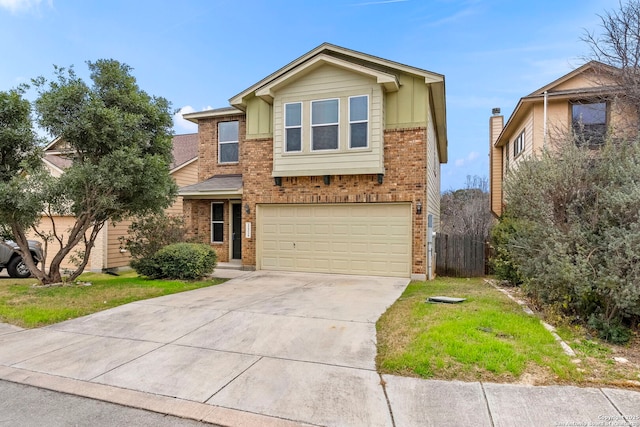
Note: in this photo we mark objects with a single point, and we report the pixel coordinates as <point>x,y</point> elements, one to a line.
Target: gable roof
<point>383,70</point>
<point>554,91</point>
<point>364,61</point>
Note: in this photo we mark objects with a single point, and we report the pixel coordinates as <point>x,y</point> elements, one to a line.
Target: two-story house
<point>330,164</point>
<point>585,106</point>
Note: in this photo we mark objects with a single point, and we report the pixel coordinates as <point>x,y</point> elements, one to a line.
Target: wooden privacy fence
<point>461,255</point>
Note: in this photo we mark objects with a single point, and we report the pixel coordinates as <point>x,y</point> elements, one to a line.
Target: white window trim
<point>228,142</point>
<point>323,150</point>
<point>366,147</point>
<point>293,127</point>
<point>217,221</point>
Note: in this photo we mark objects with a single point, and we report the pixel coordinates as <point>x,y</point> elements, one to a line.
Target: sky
<point>199,53</point>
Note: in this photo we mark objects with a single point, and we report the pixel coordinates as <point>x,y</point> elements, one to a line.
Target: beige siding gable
<point>407,107</point>
<point>329,82</point>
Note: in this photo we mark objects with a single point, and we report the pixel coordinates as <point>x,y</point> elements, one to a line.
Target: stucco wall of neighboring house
<point>62,224</point>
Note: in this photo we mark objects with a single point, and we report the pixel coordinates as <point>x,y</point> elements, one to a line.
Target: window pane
<point>228,152</point>
<point>294,141</point>
<point>358,135</point>
<point>325,137</point>
<point>227,131</point>
<point>293,114</point>
<point>324,112</point>
<point>590,122</point>
<point>217,212</point>
<point>218,232</point>
<point>590,113</point>
<point>358,108</point>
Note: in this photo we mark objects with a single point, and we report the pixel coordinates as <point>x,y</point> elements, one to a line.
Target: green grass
<point>26,305</point>
<point>488,337</point>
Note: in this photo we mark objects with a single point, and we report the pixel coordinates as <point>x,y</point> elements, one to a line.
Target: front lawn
<point>23,303</point>
<point>486,338</point>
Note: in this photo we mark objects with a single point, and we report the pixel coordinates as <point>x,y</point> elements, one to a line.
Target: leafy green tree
<point>118,139</point>
<point>20,163</point>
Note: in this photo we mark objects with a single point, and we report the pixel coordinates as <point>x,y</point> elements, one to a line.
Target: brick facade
<point>405,180</point>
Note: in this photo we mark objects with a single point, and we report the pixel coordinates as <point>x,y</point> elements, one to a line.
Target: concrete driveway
<point>276,349</point>
<point>266,348</point>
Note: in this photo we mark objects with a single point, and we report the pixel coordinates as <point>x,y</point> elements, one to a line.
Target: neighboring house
<point>330,164</point>
<point>108,253</point>
<point>584,103</point>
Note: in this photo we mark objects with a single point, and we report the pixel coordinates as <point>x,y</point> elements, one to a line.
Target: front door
<point>236,226</point>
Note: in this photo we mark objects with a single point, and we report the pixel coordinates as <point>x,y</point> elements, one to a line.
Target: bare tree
<point>617,46</point>
<point>466,211</point>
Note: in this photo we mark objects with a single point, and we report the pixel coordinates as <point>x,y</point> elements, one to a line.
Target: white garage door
<point>371,239</point>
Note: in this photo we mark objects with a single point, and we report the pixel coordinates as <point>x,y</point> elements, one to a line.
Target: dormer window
<point>324,124</point>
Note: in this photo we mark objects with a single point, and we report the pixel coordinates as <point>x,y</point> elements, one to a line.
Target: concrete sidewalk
<point>276,349</point>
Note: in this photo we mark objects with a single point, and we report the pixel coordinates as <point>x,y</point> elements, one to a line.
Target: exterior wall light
<point>247,210</point>
<point>327,179</point>
<point>278,181</point>
<point>419,208</point>
<point>380,178</point>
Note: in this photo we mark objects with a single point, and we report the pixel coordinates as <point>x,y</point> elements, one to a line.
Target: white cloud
<point>21,5</point>
<point>180,124</point>
<point>466,160</point>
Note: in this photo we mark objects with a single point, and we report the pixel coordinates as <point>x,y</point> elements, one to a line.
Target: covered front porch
<point>213,214</point>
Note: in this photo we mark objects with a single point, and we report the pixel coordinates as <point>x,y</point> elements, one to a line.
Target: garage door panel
<point>341,238</point>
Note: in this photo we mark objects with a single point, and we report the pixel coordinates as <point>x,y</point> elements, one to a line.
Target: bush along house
<point>330,164</point>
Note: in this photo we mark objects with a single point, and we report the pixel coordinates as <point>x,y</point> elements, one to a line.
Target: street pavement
<point>27,406</point>
<point>276,349</point>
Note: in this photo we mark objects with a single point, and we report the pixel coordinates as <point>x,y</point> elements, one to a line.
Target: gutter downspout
<point>544,140</point>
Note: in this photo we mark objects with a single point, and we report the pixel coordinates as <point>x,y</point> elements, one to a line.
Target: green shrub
<point>575,241</point>
<point>612,331</point>
<point>184,261</point>
<point>502,264</point>
<point>150,233</point>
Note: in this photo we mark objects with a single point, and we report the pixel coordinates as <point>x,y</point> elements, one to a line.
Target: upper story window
<point>293,127</point>
<point>518,145</point>
<point>589,122</point>
<point>358,121</point>
<point>324,124</point>
<point>228,142</point>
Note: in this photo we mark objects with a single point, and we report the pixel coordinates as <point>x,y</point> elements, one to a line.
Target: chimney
<point>496,124</point>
